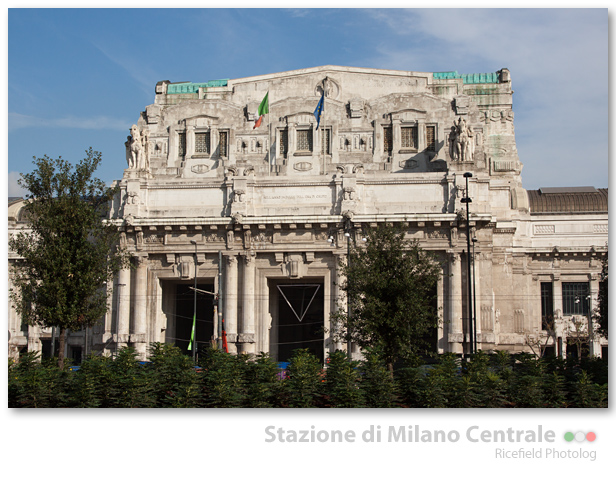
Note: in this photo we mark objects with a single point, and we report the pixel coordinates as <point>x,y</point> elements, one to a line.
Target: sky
<point>80,77</point>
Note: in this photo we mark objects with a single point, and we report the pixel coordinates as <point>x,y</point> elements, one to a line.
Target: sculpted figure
<point>461,138</point>
<point>136,149</point>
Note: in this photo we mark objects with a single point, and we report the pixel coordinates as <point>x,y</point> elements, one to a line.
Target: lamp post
<point>474,240</point>
<point>118,319</point>
<point>468,200</point>
<point>194,326</point>
<point>219,300</point>
<point>347,234</point>
<point>591,332</point>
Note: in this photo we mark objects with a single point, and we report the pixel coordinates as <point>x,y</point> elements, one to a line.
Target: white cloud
<point>14,189</point>
<point>18,120</point>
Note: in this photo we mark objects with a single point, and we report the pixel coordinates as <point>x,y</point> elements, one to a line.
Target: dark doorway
<point>184,309</point>
<point>300,319</point>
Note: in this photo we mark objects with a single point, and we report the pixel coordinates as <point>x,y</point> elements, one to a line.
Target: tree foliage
<point>69,251</point>
<point>390,287</point>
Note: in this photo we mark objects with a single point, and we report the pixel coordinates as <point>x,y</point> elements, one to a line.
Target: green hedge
<point>170,380</point>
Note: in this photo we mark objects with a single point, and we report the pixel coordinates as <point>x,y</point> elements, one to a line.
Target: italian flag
<point>263,109</point>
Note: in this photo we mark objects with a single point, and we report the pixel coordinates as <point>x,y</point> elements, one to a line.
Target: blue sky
<point>80,77</point>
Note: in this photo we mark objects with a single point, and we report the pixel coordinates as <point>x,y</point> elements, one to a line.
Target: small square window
<point>202,142</point>
<point>304,140</point>
<point>409,137</point>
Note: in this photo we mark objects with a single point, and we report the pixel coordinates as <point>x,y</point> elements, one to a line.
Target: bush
<point>342,380</point>
<point>223,379</point>
<point>303,385</point>
<point>377,384</point>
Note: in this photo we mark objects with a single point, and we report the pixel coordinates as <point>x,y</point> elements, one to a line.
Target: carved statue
<point>137,149</point>
<point>461,141</point>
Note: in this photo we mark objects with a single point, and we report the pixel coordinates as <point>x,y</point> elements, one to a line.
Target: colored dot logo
<point>580,436</point>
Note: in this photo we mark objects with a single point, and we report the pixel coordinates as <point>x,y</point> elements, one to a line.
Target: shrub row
<point>171,380</point>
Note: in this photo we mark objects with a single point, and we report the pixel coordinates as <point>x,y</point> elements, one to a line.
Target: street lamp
<point>468,200</point>
<point>591,329</point>
<point>347,234</point>
<point>193,335</point>
<point>474,240</point>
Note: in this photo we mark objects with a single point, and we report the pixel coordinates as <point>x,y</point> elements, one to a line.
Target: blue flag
<point>318,113</point>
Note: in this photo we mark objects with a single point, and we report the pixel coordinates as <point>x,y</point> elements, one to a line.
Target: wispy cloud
<point>18,120</point>
<point>133,65</point>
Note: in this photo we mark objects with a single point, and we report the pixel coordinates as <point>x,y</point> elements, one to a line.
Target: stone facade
<point>259,215</point>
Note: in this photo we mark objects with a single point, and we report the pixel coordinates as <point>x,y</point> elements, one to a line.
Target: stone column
<point>265,318</point>
<point>339,298</point>
<point>456,335</point>
<point>593,302</point>
<point>247,333</point>
<point>230,295</point>
<point>123,308</point>
<point>138,337</point>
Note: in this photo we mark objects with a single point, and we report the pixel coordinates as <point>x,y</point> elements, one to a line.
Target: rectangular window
<point>181,144</point>
<point>431,138</point>
<point>547,306</point>
<point>202,142</point>
<point>325,144</point>
<point>284,142</point>
<point>408,137</point>
<point>575,298</point>
<point>223,143</point>
<point>388,143</point>
<point>304,140</point>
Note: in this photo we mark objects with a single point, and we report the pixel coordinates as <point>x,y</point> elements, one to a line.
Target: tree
<point>69,251</point>
<point>390,287</point>
<point>601,311</point>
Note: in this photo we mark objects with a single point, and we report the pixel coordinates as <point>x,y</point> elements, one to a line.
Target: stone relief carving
<point>214,237</point>
<point>237,218</point>
<point>238,195</point>
<point>153,238</point>
<point>356,108</point>
<point>349,193</point>
<point>328,86</point>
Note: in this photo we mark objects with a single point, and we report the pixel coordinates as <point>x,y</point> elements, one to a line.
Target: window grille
<point>325,145</point>
<point>387,140</point>
<point>202,142</point>
<point>409,137</point>
<point>431,138</point>
<point>284,142</point>
<point>304,140</point>
<point>181,144</point>
<point>224,143</point>
<point>575,301</point>
<point>547,306</point>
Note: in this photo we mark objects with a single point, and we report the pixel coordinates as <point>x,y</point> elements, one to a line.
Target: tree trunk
<point>390,367</point>
<point>61,348</point>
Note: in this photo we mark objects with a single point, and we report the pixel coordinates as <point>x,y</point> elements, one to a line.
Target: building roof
<point>568,200</point>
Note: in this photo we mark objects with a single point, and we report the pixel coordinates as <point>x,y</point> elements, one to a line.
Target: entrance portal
<point>184,313</point>
<point>300,319</point>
